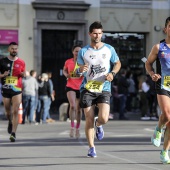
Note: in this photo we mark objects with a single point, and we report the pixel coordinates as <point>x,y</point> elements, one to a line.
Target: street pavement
<point>126,146</point>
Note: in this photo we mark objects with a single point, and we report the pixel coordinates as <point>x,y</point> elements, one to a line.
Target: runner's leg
<point>89,125</point>
<point>7,106</point>
<point>164,103</point>
<point>16,101</point>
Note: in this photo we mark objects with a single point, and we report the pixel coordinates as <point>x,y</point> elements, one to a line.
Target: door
<point>56,49</point>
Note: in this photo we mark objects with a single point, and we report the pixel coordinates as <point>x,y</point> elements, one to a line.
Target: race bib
<point>11,80</point>
<point>94,86</point>
<point>73,74</point>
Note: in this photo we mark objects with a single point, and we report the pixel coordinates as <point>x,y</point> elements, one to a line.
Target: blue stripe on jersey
<point>99,63</point>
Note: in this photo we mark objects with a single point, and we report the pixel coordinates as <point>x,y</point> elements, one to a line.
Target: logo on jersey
<point>8,65</point>
<point>162,54</point>
<point>95,69</point>
<point>164,48</point>
<point>103,56</point>
<point>17,65</point>
<point>92,56</point>
<point>165,55</point>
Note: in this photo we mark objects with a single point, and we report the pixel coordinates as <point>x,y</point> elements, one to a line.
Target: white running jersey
<point>99,63</point>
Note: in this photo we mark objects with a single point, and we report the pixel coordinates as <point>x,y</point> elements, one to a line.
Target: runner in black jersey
<point>161,54</point>
<point>12,70</point>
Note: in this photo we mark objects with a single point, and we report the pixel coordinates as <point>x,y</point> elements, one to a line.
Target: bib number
<point>94,86</point>
<point>11,80</point>
<point>73,74</point>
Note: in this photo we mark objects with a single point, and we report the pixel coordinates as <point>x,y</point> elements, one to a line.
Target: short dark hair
<point>32,72</point>
<point>13,43</point>
<point>74,46</point>
<point>166,22</point>
<point>95,25</point>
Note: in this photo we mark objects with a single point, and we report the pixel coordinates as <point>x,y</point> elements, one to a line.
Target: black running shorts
<point>76,91</point>
<point>88,98</point>
<point>9,93</point>
<point>163,92</point>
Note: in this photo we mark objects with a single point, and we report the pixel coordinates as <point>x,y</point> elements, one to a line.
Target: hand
<point>22,74</point>
<point>68,76</point>
<point>52,97</point>
<point>109,77</point>
<point>155,77</point>
<point>6,73</point>
<point>84,68</point>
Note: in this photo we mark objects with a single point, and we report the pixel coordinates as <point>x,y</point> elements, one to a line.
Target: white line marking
<point>119,158</point>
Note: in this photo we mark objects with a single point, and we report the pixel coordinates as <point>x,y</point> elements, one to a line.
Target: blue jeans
<point>122,105</point>
<point>28,102</point>
<point>49,103</point>
<point>43,107</point>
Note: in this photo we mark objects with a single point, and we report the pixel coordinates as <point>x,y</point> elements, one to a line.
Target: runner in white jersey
<point>95,65</point>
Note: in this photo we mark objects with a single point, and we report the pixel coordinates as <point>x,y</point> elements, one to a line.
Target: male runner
<point>160,53</point>
<point>12,70</point>
<point>94,61</point>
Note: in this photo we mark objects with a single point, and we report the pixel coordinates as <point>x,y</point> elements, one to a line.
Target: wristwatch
<point>113,73</point>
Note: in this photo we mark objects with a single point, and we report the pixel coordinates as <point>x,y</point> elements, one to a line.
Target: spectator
<point>122,85</point>
<point>30,86</point>
<point>131,91</point>
<point>43,99</point>
<point>50,98</point>
<point>143,93</point>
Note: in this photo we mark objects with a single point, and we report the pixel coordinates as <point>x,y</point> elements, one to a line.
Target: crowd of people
<point>134,93</point>
<point>93,73</point>
<point>37,95</point>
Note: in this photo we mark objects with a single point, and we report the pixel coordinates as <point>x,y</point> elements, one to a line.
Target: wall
<point>19,14</point>
<point>26,47</point>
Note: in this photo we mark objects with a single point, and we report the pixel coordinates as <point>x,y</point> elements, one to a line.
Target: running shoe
<point>92,153</point>
<point>71,132</point>
<point>164,157</point>
<point>77,133</point>
<point>12,137</point>
<point>9,127</point>
<point>99,131</point>
<point>156,139</point>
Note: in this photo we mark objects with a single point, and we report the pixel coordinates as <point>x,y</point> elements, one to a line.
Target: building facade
<point>46,30</point>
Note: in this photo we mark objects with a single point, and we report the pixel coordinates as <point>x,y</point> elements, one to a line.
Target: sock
<point>96,123</point>
<point>77,125</point>
<point>164,150</point>
<point>13,134</point>
<point>158,129</point>
<point>72,124</point>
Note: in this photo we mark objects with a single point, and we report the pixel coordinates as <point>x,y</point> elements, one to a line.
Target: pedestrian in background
<point>30,87</point>
<point>122,85</point>
<point>51,97</point>
<point>43,99</point>
<point>131,91</point>
<point>33,73</point>
<point>144,98</point>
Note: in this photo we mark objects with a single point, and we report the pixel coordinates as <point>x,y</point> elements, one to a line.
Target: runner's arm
<point>149,63</point>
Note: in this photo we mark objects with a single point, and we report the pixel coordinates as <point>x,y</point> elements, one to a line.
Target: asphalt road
<point>126,146</point>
